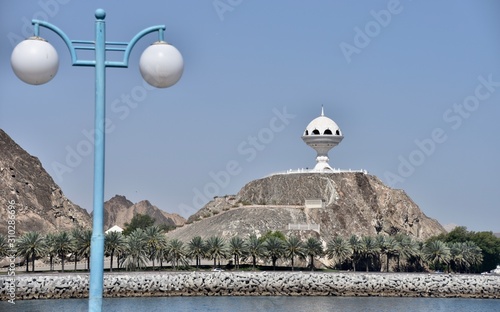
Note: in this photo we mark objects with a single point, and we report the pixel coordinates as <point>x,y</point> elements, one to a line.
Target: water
<point>251,304</point>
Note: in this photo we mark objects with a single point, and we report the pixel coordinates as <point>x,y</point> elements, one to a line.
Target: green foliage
<point>135,255</point>
<point>464,256</point>
<point>62,244</point>
<point>437,253</point>
<point>166,228</point>
<point>274,246</point>
<point>114,244</point>
<point>82,239</point>
<point>255,249</point>
<point>155,242</point>
<point>356,246</point>
<point>458,235</point>
<point>294,247</point>
<point>486,241</point>
<point>139,221</point>
<point>388,246</point>
<point>313,248</point>
<point>31,246</point>
<point>237,248</point>
<point>490,247</point>
<point>457,251</point>
<point>177,253</point>
<point>4,246</point>
<point>339,250</point>
<point>51,248</point>
<point>276,234</point>
<point>216,248</point>
<point>409,249</point>
<point>196,249</point>
<point>369,250</point>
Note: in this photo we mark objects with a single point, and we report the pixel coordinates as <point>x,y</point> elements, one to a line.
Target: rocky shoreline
<point>156,284</point>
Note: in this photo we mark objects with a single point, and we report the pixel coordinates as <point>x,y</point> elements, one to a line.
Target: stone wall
<point>33,286</point>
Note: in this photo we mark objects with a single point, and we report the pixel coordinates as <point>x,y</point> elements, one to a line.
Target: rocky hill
<point>40,205</point>
<point>350,203</point>
<point>119,210</point>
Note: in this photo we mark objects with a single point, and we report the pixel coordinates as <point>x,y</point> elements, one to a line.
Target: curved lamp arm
<point>125,47</point>
<point>58,31</point>
<point>133,41</point>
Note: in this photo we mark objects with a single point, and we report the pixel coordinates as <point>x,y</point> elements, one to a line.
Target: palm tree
<point>338,249</point>
<point>255,248</point>
<point>274,247</point>
<point>4,246</point>
<point>417,258</point>
<point>473,255</point>
<point>155,239</point>
<point>49,241</point>
<point>82,242</point>
<point>196,248</point>
<point>464,255</point>
<point>355,244</point>
<point>135,255</point>
<point>75,234</point>
<point>163,253</point>
<point>380,243</point>
<point>237,248</point>
<point>216,248</point>
<point>389,246</point>
<point>114,242</point>
<point>177,252</point>
<point>408,248</point>
<point>313,248</point>
<point>31,245</point>
<point>294,247</point>
<point>436,252</point>
<point>457,259</point>
<point>369,249</point>
<point>62,246</point>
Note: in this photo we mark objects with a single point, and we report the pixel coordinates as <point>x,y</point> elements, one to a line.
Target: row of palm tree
<point>33,245</point>
<point>459,257</point>
<point>456,256</point>
<point>142,245</point>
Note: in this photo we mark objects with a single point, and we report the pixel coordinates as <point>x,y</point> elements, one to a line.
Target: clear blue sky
<point>414,86</point>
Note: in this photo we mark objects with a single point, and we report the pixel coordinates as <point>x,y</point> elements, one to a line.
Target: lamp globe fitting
<point>34,61</point>
<point>161,65</point>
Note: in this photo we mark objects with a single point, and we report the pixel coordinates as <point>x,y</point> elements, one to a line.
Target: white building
<point>114,228</point>
<point>322,134</point>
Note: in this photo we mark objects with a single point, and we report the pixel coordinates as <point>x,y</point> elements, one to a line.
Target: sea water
<point>260,303</point>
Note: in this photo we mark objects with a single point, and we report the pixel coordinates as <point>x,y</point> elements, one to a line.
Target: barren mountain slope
<point>354,203</point>
<point>39,203</point>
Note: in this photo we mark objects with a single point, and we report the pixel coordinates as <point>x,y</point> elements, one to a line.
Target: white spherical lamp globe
<point>34,61</point>
<point>161,65</point>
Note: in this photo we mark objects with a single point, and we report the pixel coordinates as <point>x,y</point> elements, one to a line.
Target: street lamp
<point>35,61</point>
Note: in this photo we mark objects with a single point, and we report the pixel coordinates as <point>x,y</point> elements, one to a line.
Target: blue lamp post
<point>35,61</point>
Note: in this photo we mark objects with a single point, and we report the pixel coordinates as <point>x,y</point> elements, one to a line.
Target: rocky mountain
<point>449,227</point>
<point>39,203</point>
<point>320,204</point>
<point>119,210</point>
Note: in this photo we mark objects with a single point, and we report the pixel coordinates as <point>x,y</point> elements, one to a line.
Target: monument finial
<point>322,111</point>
